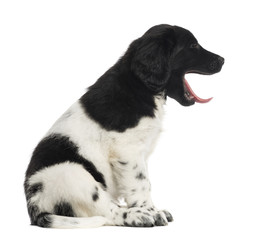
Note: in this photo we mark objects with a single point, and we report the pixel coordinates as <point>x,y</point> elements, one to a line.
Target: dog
<point>96,152</point>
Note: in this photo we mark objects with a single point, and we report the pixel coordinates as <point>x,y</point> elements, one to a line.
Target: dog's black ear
<point>150,62</point>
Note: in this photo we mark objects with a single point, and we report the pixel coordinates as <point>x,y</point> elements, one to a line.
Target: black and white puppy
<point>97,151</point>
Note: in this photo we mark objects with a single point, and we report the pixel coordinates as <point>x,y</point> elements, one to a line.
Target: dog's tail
<point>48,220</point>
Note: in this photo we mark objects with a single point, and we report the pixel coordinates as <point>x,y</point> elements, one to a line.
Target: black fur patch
<point>33,212</point>
<point>125,93</point>
<point>118,101</point>
<point>32,190</point>
<point>64,209</point>
<point>43,220</point>
<point>56,149</point>
<point>37,218</point>
<point>95,196</point>
<point>140,176</point>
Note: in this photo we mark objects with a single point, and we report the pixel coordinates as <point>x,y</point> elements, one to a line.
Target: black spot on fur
<point>64,209</point>
<point>140,176</point>
<point>124,215</point>
<point>95,196</point>
<point>56,149</point>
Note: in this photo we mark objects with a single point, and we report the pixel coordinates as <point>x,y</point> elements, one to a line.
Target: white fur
<point>83,222</point>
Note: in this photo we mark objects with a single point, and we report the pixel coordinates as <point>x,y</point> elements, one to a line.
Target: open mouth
<point>190,95</point>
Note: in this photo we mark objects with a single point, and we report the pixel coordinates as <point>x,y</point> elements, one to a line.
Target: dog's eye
<point>194,45</point>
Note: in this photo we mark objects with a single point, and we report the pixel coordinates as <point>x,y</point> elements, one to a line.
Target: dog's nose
<point>221,60</point>
<point>216,64</point>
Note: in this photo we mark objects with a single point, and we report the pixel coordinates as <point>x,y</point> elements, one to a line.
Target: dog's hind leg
<point>67,196</point>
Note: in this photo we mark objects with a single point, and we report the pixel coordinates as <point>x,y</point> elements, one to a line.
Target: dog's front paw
<point>138,217</point>
<point>146,217</point>
<point>161,217</point>
<point>168,215</point>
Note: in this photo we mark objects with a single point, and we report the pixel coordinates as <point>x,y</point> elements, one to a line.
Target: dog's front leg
<point>134,185</point>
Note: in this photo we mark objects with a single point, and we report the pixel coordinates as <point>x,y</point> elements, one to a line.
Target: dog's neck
<point>160,101</point>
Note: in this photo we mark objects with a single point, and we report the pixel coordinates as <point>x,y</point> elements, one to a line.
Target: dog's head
<point>162,57</point>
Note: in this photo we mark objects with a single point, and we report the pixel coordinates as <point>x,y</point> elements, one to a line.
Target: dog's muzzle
<point>216,64</point>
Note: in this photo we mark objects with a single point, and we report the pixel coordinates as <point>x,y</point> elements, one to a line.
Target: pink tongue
<point>196,98</point>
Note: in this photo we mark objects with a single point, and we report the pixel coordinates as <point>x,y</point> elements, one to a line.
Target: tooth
<point>188,96</point>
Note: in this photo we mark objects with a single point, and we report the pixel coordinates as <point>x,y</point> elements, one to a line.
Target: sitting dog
<point>97,151</point>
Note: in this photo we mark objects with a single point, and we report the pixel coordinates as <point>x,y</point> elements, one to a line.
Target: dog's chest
<point>140,140</point>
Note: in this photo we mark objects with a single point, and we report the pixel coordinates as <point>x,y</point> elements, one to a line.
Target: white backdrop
<point>212,168</point>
